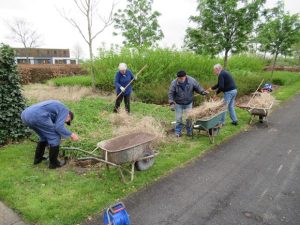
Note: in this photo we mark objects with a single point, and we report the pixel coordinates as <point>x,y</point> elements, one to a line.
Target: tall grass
<point>153,83</point>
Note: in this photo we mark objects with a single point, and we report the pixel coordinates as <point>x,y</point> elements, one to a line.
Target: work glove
<point>204,92</point>
<point>172,106</point>
<point>122,89</point>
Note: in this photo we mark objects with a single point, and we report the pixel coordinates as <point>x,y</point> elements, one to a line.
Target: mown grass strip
<point>65,196</point>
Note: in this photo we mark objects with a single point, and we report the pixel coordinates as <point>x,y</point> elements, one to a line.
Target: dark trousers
<point>126,101</point>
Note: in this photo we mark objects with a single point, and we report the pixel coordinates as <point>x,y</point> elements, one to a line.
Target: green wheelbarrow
<point>211,126</point>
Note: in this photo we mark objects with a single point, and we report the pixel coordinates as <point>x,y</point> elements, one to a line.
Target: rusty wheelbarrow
<point>261,113</point>
<point>132,148</point>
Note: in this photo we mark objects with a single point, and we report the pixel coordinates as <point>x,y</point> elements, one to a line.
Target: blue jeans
<point>179,112</point>
<point>229,98</point>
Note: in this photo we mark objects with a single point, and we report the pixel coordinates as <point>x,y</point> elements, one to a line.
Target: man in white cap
<point>122,78</point>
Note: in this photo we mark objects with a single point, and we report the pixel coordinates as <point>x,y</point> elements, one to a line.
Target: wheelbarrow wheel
<point>214,131</point>
<point>145,163</point>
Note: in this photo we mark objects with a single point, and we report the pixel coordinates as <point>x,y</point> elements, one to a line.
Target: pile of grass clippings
<point>207,109</point>
<point>263,100</point>
<point>126,124</point>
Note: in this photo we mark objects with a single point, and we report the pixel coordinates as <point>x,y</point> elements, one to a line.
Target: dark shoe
<point>235,123</point>
<point>189,134</point>
<point>39,152</point>
<point>53,161</point>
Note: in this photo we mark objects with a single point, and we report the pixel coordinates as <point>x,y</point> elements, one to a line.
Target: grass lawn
<point>65,196</point>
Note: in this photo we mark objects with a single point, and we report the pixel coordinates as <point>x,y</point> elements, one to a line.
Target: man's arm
<point>60,123</point>
<point>172,92</point>
<point>198,88</point>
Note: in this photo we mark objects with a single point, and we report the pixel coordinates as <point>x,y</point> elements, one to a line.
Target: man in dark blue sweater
<point>226,85</point>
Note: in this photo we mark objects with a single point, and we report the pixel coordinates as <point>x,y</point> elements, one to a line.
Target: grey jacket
<point>184,97</point>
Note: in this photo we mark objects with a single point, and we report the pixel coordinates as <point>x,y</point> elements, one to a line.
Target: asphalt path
<point>254,178</point>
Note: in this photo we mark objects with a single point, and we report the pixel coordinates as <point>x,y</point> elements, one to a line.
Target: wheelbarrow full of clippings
<point>134,148</point>
<point>211,125</point>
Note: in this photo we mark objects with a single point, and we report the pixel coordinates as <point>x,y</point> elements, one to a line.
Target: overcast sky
<point>56,32</point>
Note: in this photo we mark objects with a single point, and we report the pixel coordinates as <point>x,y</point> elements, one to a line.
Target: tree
<point>222,26</point>
<point>138,24</point>
<point>12,101</point>
<point>23,33</point>
<point>77,51</point>
<point>296,49</point>
<point>279,32</point>
<point>89,10</point>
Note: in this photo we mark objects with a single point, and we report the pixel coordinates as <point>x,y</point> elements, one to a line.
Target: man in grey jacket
<point>181,94</point>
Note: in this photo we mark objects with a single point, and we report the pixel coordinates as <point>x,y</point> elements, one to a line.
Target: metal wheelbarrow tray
<point>262,113</point>
<point>211,125</point>
<point>132,148</point>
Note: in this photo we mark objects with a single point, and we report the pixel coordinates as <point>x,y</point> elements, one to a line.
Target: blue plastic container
<point>116,215</point>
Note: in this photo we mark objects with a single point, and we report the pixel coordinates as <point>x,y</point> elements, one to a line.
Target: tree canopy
<point>279,32</point>
<point>222,26</point>
<point>138,24</point>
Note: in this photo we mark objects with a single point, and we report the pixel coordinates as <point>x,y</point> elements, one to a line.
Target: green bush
<point>246,62</point>
<point>12,101</point>
<point>85,81</point>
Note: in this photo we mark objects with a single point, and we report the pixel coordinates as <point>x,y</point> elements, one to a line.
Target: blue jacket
<point>225,82</point>
<point>183,94</point>
<point>123,80</point>
<point>38,114</point>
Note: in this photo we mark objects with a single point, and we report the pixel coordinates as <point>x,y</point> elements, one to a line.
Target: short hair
<point>181,73</point>
<point>122,66</point>
<point>218,66</point>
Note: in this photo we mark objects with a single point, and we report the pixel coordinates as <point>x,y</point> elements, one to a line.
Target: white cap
<point>122,66</point>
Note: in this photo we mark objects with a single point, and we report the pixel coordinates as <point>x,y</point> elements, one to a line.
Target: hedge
<point>41,72</point>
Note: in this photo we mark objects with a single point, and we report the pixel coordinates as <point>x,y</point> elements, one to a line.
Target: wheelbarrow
<point>210,125</point>
<point>261,113</point>
<point>132,148</point>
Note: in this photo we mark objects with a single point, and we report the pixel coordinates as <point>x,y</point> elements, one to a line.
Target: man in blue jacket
<point>48,120</point>
<point>181,94</point>
<point>226,85</point>
<point>122,78</point>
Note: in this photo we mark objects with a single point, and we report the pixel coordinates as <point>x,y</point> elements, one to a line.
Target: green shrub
<point>12,101</point>
<point>246,62</point>
<point>278,81</point>
<point>85,81</point>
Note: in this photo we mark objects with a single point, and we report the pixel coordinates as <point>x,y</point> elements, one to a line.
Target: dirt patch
<point>283,68</point>
<point>41,92</point>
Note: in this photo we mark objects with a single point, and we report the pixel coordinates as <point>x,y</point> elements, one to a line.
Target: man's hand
<point>172,106</point>
<point>205,92</point>
<point>74,137</point>
<point>122,89</point>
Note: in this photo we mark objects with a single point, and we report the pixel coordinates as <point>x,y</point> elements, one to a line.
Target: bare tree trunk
<point>92,67</point>
<point>274,62</point>
<point>226,59</point>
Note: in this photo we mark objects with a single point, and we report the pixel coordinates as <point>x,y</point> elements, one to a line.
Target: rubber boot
<point>39,152</point>
<point>53,161</point>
